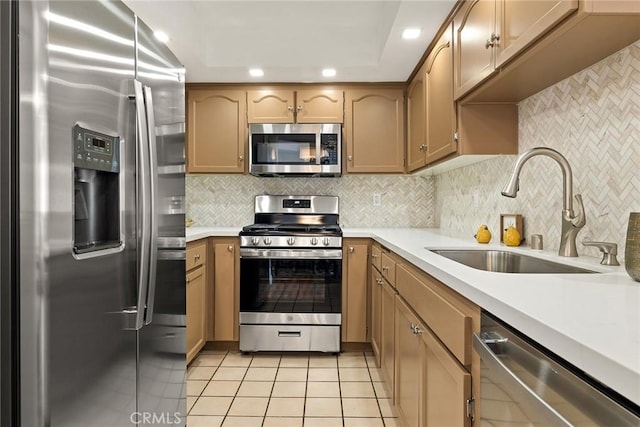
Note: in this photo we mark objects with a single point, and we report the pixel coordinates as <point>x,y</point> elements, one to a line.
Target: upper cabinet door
<point>270,106</point>
<point>216,131</point>
<point>440,106</point>
<point>374,130</point>
<point>522,22</point>
<point>416,116</point>
<point>474,38</point>
<point>319,106</point>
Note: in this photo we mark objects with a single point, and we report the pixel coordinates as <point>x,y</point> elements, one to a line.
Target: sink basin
<point>507,262</point>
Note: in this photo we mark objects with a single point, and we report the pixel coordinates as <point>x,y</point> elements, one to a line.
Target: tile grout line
<point>374,391</point>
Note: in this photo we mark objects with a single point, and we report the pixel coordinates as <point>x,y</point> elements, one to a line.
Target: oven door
<point>290,286</point>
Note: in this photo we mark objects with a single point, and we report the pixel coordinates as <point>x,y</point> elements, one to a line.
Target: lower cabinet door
<point>226,299</point>
<point>431,386</point>
<point>409,364</point>
<point>387,336</point>
<point>376,315</point>
<point>196,312</point>
<point>447,385</point>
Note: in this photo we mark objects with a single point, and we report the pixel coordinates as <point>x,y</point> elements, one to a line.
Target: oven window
<point>290,149</point>
<point>290,285</point>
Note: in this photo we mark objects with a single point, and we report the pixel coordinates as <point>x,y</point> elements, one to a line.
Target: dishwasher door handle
<point>521,391</point>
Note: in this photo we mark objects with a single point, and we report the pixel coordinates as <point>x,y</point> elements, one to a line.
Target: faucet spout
<point>571,223</point>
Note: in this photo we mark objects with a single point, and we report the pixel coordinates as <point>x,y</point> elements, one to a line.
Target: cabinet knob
<point>350,158</point>
<point>187,280</point>
<point>374,256</point>
<point>241,158</point>
<point>491,42</point>
<point>230,248</point>
<point>299,107</point>
<point>290,107</point>
<point>379,281</point>
<point>385,268</point>
<point>197,257</point>
<point>351,249</point>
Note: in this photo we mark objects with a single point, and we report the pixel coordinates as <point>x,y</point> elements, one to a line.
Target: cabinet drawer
<point>388,268</point>
<point>376,255</point>
<point>196,254</point>
<point>451,326</point>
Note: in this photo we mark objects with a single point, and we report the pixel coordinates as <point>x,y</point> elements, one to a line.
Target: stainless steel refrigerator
<point>92,243</point>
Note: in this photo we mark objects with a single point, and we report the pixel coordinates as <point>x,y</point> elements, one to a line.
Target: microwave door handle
<point>153,192</point>
<point>143,201</point>
<point>515,386</point>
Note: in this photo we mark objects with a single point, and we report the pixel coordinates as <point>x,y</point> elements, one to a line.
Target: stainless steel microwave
<point>295,149</point>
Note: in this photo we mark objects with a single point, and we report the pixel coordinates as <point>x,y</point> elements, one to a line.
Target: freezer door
<point>162,340</point>
<point>78,358</point>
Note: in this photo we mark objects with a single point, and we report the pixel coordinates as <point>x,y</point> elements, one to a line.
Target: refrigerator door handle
<point>143,201</point>
<point>153,187</point>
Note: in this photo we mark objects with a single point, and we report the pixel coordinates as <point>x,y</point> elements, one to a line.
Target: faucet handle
<point>580,219</point>
<point>609,251</point>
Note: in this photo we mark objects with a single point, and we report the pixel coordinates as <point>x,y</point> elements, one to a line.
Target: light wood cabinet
<point>196,284</point>
<point>440,126</point>
<point>431,113</point>
<point>489,33</point>
<point>544,42</point>
<point>447,385</point>
<point>409,366</point>
<point>216,131</point>
<point>354,290</point>
<point>431,386</point>
<point>428,298</point>
<point>226,271</point>
<point>387,336</point>
<point>416,122</point>
<point>374,130</point>
<point>376,316</point>
<point>318,105</point>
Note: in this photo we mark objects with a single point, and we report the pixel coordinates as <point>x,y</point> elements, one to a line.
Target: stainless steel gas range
<point>291,275</point>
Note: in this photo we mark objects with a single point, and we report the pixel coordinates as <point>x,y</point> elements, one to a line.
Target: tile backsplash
<point>593,119</point>
<point>227,200</point>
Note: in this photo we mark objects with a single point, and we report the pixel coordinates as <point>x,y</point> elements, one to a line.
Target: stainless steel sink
<point>507,262</point>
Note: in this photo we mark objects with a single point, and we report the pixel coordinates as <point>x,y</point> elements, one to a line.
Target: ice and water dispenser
<point>97,191</point>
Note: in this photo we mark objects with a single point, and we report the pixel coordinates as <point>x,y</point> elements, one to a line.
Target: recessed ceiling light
<point>411,33</point>
<point>329,72</point>
<point>256,72</point>
<point>161,36</point>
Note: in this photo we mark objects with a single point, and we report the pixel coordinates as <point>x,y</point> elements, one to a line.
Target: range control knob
<point>267,241</point>
<point>255,241</point>
<point>325,241</point>
<point>314,241</point>
<point>291,241</point>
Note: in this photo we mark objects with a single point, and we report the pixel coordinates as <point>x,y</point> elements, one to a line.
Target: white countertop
<point>591,320</point>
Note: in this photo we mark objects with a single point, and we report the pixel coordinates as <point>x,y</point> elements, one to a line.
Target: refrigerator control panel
<point>96,150</point>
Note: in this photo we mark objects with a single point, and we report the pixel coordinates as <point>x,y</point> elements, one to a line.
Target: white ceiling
<point>292,41</point>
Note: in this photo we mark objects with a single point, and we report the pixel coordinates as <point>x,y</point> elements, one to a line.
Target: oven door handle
<point>291,253</point>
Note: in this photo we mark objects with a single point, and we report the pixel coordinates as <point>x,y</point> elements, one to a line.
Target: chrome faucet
<point>571,223</point>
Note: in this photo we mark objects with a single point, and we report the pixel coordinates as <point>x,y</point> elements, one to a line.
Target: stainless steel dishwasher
<point>523,385</point>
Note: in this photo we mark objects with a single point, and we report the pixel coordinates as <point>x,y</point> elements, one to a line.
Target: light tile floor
<point>287,390</point>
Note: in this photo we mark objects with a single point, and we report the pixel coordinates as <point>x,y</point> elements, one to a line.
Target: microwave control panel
<point>329,149</point>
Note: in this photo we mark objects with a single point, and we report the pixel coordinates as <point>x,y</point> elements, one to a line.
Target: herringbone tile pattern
<point>227,200</point>
<point>593,118</point>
